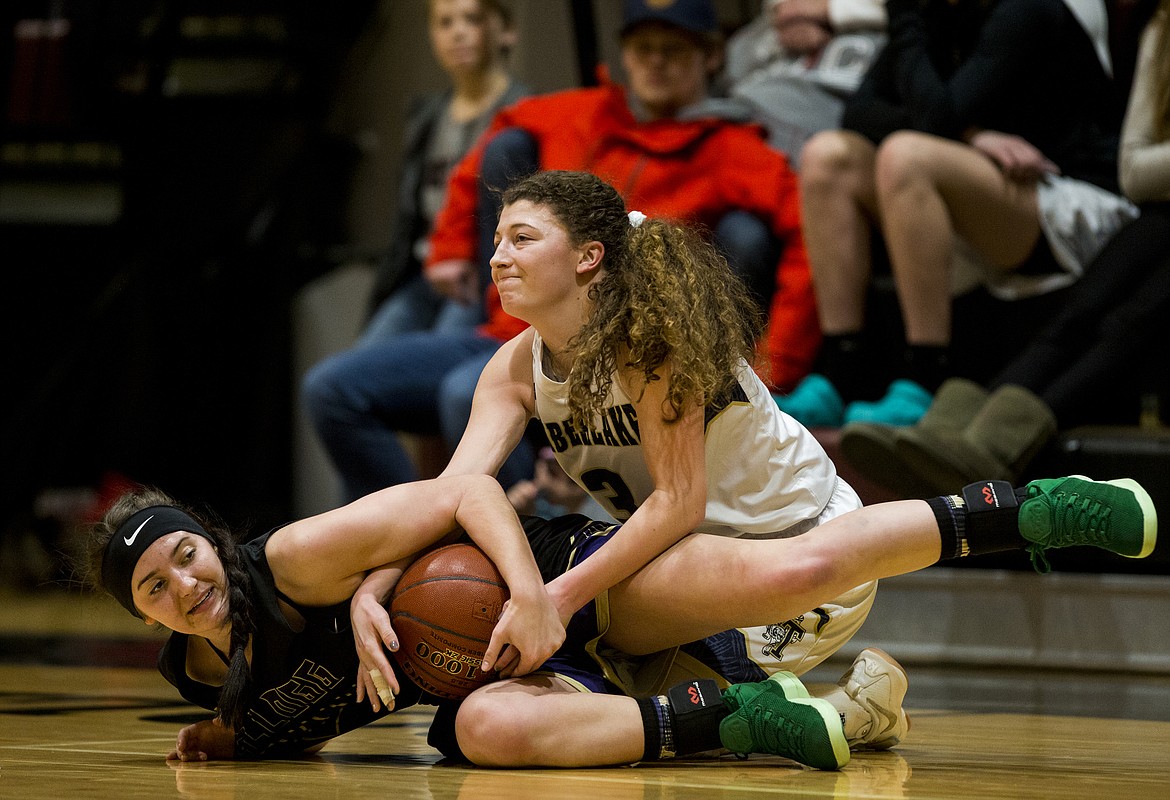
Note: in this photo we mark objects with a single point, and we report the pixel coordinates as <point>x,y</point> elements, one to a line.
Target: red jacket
<point>692,170</point>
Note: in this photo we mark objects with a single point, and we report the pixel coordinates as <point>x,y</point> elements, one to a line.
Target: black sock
<point>928,365</point>
<point>656,728</point>
<point>983,519</point>
<point>683,721</point>
<point>843,361</point>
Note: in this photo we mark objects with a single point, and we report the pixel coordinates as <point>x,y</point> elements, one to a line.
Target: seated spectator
<point>982,144</point>
<point>672,149</point>
<point>1089,356</point>
<point>798,60</point>
<point>471,40</point>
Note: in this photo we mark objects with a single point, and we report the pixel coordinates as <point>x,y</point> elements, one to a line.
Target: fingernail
<point>394,647</point>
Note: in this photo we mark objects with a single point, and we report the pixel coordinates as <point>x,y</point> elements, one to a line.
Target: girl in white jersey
<point>638,367</point>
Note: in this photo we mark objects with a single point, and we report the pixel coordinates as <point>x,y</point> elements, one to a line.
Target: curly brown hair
<point>666,297</point>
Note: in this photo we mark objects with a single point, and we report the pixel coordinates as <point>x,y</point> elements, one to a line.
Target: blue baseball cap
<point>694,16</point>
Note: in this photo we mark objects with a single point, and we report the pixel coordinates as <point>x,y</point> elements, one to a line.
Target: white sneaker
<point>869,698</point>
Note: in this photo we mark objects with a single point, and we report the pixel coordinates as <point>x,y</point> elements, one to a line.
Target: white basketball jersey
<point>766,474</point>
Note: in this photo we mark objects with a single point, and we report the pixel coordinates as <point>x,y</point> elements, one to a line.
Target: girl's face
<point>536,265</point>
<point>180,583</point>
<point>465,38</point>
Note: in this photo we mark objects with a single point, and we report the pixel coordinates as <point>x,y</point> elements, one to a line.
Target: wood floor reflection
<point>82,717</point>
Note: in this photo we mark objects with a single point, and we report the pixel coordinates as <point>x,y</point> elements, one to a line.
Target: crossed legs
<point>703,585</point>
<point>931,190</point>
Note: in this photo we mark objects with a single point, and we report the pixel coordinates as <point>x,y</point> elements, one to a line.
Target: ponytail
<point>673,298</point>
<point>236,689</point>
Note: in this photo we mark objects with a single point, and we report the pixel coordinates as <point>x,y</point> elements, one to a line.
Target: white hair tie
<point>636,219</point>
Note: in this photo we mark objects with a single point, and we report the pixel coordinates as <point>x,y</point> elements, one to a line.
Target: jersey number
<point>609,487</point>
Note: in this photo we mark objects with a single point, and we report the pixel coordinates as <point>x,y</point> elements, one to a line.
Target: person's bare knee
<point>491,728</point>
<point>832,156</point>
<point>904,158</point>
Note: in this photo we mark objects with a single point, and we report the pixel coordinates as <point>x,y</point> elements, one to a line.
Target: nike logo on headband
<point>137,531</point>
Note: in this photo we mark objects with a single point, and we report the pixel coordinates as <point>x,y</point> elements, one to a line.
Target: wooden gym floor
<point>83,714</point>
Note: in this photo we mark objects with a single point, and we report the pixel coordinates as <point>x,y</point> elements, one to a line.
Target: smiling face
<point>180,583</point>
<point>536,267</point>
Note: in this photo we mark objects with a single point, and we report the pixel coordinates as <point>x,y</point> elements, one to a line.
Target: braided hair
<point>665,295</point>
<point>233,695</point>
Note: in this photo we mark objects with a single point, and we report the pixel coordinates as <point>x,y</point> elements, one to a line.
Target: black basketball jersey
<point>303,682</point>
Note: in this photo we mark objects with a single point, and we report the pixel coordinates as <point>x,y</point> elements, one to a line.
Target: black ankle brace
<point>980,520</point>
<point>683,721</point>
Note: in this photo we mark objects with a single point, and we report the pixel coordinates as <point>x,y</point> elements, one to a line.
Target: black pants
<point>1105,340</point>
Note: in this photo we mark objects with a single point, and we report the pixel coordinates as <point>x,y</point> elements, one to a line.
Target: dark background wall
<point>171,175</point>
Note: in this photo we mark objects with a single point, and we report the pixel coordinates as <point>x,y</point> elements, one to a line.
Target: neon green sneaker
<point>1117,516</point>
<point>777,716</point>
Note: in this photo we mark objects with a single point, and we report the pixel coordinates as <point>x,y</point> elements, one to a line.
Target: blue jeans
<point>420,383</point>
<point>752,252</point>
<point>415,306</point>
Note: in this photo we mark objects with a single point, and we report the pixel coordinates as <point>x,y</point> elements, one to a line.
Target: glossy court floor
<point>84,715</point>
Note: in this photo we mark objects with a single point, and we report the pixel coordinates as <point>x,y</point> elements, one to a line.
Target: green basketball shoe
<point>777,716</point>
<point>1117,516</point>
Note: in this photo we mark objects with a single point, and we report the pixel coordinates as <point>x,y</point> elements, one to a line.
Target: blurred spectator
<point>471,40</point>
<point>983,144</point>
<point>798,60</point>
<point>1091,355</point>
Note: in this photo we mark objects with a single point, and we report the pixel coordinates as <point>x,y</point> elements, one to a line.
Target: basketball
<point>444,609</point>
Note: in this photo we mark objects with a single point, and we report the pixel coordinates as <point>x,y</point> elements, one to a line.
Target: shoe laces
<point>775,733</point>
<point>1075,519</point>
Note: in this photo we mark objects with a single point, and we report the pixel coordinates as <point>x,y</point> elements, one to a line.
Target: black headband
<point>130,541</point>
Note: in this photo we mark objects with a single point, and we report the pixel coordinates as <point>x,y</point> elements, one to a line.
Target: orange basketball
<point>443,610</point>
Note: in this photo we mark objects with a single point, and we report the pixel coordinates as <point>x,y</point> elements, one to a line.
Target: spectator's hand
<point>456,279</point>
<point>802,25</point>
<point>793,10</point>
<point>1017,158</point>
<point>208,740</point>
<point>803,38</point>
<point>372,636</point>
<point>555,483</point>
<point>522,496</point>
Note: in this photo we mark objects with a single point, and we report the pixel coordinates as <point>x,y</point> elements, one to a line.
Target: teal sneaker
<point>1117,516</point>
<point>777,716</point>
<point>814,403</point>
<point>904,403</point>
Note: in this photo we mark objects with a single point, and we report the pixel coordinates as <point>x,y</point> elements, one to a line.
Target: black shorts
<point>557,543</point>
